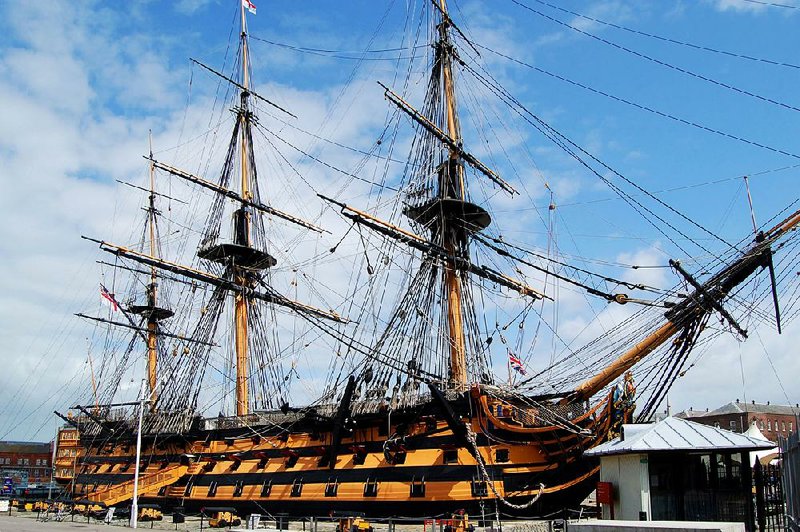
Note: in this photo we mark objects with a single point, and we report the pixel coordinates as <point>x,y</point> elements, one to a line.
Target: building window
<point>783,426</point>
<point>716,424</point>
<point>733,426</point>
<point>790,426</point>
<point>769,425</point>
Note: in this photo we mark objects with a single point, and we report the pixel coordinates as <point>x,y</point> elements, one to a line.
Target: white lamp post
<point>135,503</point>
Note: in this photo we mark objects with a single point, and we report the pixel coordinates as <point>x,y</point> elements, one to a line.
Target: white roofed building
<point>679,470</point>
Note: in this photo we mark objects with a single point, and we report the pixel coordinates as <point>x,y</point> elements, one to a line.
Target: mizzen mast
<point>151,310</point>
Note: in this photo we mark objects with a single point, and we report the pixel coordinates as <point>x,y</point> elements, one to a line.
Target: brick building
<point>27,463</point>
<point>772,420</point>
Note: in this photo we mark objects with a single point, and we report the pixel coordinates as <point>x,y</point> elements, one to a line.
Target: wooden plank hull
<point>421,469</point>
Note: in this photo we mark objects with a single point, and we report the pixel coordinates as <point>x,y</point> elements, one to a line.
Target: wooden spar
<point>152,322</point>
<point>417,242</point>
<point>452,280</point>
<point>236,197</point>
<point>215,280</point>
<point>241,300</point>
<point>141,329</point>
<point>443,137</point>
<point>240,323</point>
<point>455,324</point>
<point>622,364</point>
<point>708,295</point>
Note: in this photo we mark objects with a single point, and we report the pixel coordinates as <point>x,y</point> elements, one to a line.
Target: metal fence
<point>790,452</point>
<point>769,497</point>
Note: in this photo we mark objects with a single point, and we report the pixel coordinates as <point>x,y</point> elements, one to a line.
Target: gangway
<point>148,483</point>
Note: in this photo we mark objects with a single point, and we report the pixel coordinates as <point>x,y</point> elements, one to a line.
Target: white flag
<point>250,6</point>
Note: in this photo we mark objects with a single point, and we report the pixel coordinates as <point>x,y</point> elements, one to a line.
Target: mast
<point>150,309</point>
<point>152,324</point>
<point>241,259</point>
<point>446,211</point>
<point>242,236</point>
<point>451,185</point>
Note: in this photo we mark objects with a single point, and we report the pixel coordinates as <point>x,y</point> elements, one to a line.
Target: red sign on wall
<point>605,493</point>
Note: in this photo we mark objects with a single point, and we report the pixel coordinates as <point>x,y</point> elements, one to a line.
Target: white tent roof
<point>754,432</point>
<point>675,434</point>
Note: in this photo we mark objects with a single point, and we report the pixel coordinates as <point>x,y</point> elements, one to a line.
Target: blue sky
<point>82,82</point>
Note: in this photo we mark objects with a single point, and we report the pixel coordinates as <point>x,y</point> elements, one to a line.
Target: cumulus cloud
<point>81,87</point>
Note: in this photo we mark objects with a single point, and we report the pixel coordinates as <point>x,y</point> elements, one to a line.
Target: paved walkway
<point>28,523</point>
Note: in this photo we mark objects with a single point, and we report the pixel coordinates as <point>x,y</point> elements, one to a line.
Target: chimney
<point>767,402</point>
<point>706,409</point>
<point>754,401</point>
<point>737,401</point>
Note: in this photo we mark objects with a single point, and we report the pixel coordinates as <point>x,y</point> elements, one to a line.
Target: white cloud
<point>81,88</point>
<point>740,5</point>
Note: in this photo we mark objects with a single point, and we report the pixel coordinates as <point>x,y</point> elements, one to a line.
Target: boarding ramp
<point>148,484</point>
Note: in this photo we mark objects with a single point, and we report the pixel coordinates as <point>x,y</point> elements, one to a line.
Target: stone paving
<point>33,522</point>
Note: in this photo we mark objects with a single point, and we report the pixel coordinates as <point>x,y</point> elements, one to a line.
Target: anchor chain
<point>490,483</point>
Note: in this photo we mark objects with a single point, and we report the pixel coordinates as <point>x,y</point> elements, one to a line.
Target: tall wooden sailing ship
<point>419,426</point>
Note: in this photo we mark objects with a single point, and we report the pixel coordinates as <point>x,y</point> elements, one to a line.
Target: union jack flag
<point>516,363</point>
<point>108,298</point>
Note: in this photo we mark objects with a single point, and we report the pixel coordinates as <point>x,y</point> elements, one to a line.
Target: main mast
<point>452,186</point>
<point>241,259</point>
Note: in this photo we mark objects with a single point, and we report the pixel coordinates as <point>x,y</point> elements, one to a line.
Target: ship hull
<point>499,458</point>
<point>566,502</point>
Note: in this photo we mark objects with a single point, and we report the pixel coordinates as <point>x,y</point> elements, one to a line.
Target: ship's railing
<point>158,422</point>
<point>255,419</point>
<point>329,410</point>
